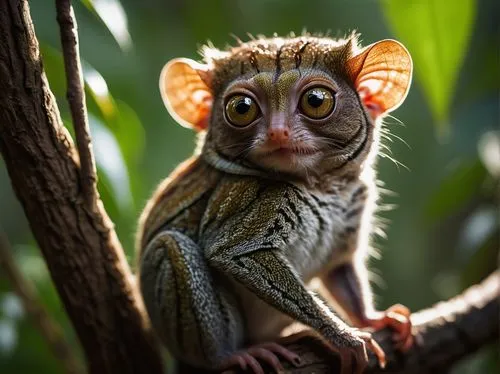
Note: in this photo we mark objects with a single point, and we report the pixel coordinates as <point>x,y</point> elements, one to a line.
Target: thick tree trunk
<point>84,256</point>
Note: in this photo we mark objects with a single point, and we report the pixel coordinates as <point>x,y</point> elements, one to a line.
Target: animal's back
<point>178,202</point>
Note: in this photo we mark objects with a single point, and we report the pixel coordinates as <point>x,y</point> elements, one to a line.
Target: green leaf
<point>120,118</point>
<point>437,33</point>
<point>110,161</point>
<point>114,17</point>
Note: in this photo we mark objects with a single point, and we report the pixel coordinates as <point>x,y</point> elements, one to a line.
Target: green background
<point>442,228</point>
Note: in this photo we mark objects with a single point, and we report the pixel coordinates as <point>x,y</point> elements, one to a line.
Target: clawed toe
<point>398,318</point>
<point>287,354</point>
<point>352,360</point>
<point>373,346</point>
<point>252,357</point>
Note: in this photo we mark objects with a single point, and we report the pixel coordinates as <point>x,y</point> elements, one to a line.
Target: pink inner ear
<point>203,102</point>
<point>374,106</point>
<point>381,74</point>
<point>372,83</point>
<point>185,93</point>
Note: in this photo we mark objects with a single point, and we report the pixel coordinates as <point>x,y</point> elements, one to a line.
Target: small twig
<point>47,327</point>
<point>76,98</point>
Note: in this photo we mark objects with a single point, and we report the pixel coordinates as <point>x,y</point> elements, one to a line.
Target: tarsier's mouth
<point>292,151</point>
<point>284,150</point>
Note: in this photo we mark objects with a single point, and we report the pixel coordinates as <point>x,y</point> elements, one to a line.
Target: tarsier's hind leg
<point>190,314</point>
<point>197,320</point>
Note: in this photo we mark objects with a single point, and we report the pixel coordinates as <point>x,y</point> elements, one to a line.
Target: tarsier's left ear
<point>381,74</point>
<point>185,90</point>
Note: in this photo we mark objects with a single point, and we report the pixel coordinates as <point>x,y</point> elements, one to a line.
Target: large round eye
<point>317,102</point>
<point>241,110</point>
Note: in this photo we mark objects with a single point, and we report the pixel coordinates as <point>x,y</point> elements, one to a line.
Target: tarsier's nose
<point>278,131</point>
<point>278,135</point>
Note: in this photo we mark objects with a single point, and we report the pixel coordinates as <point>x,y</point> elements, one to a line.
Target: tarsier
<point>280,191</point>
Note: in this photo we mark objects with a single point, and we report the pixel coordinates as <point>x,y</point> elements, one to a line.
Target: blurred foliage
<point>444,234</point>
<point>437,36</point>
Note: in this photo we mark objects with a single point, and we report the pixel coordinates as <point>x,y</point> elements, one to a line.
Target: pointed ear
<point>184,87</point>
<point>381,74</point>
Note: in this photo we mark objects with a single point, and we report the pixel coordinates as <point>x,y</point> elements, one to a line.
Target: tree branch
<point>83,254</point>
<point>48,328</point>
<point>76,99</point>
<point>448,331</point>
<point>444,334</point>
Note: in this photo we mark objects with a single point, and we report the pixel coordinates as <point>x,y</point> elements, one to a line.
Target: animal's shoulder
<point>191,182</point>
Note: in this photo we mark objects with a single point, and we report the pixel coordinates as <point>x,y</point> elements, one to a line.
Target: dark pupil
<point>315,99</point>
<point>243,105</point>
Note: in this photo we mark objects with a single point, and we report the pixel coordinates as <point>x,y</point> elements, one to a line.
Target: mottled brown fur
<point>230,240</point>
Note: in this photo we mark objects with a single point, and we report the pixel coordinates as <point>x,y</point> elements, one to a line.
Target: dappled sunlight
<point>489,150</point>
<point>98,89</point>
<point>8,337</point>
<point>11,310</point>
<point>11,306</point>
<point>478,228</point>
<point>96,82</point>
<point>110,160</point>
<point>113,15</point>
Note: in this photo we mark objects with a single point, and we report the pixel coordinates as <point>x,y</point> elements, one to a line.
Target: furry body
<point>229,242</point>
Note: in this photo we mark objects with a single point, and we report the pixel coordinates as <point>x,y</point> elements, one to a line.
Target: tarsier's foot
<point>266,352</point>
<point>373,346</point>
<point>397,317</point>
<point>353,360</point>
<point>351,350</point>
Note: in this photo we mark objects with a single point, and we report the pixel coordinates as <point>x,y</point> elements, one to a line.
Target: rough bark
<point>83,254</point>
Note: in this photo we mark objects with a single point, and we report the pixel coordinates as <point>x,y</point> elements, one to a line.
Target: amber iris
<point>241,110</point>
<point>317,102</point>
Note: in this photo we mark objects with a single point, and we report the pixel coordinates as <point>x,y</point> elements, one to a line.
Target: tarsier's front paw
<point>351,347</point>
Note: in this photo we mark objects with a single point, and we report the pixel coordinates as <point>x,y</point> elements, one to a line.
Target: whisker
<point>245,151</point>
<point>234,145</point>
<point>389,135</point>
<point>396,121</point>
<point>336,144</point>
<point>389,150</point>
<point>386,137</point>
<point>396,162</point>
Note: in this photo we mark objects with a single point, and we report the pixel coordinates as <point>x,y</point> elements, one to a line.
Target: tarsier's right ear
<point>381,74</point>
<point>184,87</point>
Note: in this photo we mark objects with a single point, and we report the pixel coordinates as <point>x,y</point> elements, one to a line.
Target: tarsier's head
<point>301,106</point>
